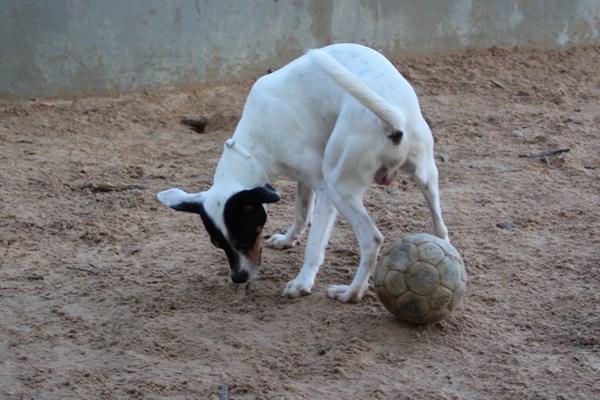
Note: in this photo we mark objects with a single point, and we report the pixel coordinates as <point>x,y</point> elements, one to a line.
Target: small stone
<point>390,190</point>
<point>517,134</point>
<point>324,349</point>
<point>571,120</point>
<point>136,171</point>
<point>506,225</point>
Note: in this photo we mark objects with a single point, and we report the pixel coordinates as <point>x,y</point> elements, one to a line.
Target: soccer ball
<point>420,279</point>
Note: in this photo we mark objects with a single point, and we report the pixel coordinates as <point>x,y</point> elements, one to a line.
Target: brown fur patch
<point>255,252</point>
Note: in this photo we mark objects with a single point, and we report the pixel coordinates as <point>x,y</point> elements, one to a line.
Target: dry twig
<point>89,271</point>
<point>105,187</point>
<point>545,154</point>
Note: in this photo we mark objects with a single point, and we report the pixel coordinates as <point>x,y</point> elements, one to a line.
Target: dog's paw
<point>297,287</point>
<point>344,293</point>
<point>280,241</point>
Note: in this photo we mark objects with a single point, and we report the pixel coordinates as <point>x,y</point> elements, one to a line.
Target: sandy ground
<point>107,294</point>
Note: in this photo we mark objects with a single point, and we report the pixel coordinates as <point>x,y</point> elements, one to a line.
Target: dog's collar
<point>232,144</point>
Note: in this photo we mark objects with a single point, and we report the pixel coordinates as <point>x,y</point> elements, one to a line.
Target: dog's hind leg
<point>426,174</point>
<point>305,199</point>
<point>314,254</point>
<point>369,240</point>
<point>350,167</point>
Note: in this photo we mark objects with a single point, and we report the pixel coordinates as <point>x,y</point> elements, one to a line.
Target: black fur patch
<point>245,216</point>
<point>218,239</point>
<point>396,137</point>
<point>216,236</point>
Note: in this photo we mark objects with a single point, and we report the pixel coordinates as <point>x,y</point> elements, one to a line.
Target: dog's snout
<point>240,277</point>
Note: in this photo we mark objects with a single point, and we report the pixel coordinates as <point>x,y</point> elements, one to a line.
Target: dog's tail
<point>357,88</point>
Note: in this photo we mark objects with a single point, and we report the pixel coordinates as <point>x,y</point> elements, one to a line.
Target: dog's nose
<point>240,277</point>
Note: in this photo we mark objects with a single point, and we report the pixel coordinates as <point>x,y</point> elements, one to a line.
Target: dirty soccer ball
<point>420,279</point>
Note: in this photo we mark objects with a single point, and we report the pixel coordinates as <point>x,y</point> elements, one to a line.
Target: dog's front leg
<point>305,199</point>
<point>314,254</point>
<point>426,174</point>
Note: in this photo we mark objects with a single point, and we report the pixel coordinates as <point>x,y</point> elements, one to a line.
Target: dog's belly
<point>383,176</point>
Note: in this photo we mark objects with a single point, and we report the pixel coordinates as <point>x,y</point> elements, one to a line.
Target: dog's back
<point>306,83</point>
<point>299,104</point>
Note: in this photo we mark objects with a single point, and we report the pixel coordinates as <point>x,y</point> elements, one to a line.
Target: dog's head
<point>233,221</point>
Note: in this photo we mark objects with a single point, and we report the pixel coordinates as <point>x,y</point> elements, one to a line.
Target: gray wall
<point>58,47</point>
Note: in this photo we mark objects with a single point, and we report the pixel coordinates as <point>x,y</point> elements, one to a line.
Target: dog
<point>334,120</point>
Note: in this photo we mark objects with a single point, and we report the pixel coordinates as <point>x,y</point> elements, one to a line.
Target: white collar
<point>232,144</point>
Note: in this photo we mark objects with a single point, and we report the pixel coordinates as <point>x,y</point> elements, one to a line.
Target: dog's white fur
<point>324,120</point>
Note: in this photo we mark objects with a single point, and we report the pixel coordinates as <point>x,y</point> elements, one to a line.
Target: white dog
<point>334,120</point>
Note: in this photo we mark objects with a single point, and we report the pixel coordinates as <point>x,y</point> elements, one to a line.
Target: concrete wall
<point>57,47</point>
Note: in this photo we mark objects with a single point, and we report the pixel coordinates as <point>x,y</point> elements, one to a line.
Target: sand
<point>105,293</point>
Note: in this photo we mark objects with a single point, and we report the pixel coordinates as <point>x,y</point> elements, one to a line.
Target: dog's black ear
<point>245,217</point>
<point>259,195</point>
